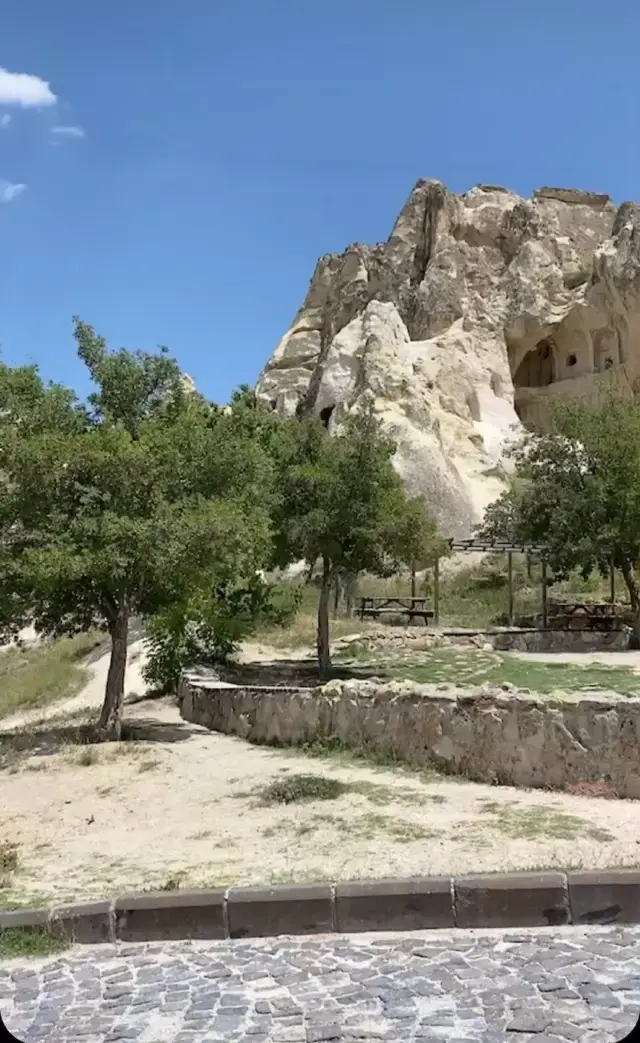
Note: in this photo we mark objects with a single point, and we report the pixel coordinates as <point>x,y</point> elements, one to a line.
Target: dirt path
<point>180,806</point>
<point>631,659</point>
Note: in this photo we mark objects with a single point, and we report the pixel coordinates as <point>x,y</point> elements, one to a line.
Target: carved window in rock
<point>537,369</point>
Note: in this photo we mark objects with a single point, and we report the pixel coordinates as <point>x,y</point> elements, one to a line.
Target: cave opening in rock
<point>537,369</point>
<point>325,414</point>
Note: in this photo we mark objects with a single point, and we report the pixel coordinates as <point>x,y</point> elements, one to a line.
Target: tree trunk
<point>337,594</point>
<point>324,652</point>
<point>110,723</point>
<point>630,578</point>
<point>413,579</point>
<point>351,585</point>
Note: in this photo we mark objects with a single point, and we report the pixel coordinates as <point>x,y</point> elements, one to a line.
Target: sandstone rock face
<point>493,734</point>
<point>475,312</point>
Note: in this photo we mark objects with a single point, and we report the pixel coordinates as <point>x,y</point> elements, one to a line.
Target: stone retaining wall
<point>536,640</point>
<point>502,639</point>
<point>491,734</point>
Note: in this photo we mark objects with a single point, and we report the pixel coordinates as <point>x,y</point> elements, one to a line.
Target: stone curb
<point>490,900</point>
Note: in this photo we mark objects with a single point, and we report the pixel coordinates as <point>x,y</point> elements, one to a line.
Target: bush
<point>207,629</point>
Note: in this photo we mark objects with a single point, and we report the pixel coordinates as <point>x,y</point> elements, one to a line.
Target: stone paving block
<point>170,916</point>
<point>394,905</point>
<point>601,896</point>
<point>258,912</point>
<point>45,999</point>
<point>511,900</point>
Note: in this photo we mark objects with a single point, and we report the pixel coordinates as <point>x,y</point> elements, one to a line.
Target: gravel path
<point>543,985</point>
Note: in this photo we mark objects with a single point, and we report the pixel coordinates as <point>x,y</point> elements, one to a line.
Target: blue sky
<point>228,143</point>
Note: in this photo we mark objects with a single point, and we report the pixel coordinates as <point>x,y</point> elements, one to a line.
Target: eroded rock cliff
<point>475,311</point>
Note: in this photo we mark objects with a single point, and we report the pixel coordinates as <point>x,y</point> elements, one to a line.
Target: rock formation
<point>474,312</point>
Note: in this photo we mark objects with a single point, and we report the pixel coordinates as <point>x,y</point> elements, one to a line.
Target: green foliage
<point>207,628</point>
<point>340,500</point>
<point>132,386</point>
<point>577,489</point>
<point>414,534</point>
<point>124,508</point>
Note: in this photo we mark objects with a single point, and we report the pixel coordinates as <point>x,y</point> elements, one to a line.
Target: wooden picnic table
<point>594,615</point>
<point>411,607</point>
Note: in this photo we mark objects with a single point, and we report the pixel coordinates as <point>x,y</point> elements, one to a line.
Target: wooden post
<point>544,593</point>
<point>613,583</point>
<point>436,592</point>
<point>510,581</point>
<point>413,579</point>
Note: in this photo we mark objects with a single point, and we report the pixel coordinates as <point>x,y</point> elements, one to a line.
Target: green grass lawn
<point>465,667</point>
<point>37,675</point>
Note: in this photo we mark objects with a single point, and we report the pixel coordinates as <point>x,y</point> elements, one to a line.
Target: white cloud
<point>21,88</point>
<point>5,120</point>
<point>10,191</point>
<point>69,132</point>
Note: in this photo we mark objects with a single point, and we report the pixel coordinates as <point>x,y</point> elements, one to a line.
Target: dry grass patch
<point>364,827</point>
<point>291,789</point>
<point>296,788</point>
<point>529,823</point>
<point>40,674</point>
<point>30,747</point>
<point>334,752</point>
<point>101,753</point>
<point>301,632</point>
<point>12,894</point>
<point>8,863</point>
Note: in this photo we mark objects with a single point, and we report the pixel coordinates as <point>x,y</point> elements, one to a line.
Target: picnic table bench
<point>410,607</point>
<point>584,615</point>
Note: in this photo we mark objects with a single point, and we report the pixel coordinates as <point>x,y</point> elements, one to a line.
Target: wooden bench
<point>410,608</point>
<point>584,615</point>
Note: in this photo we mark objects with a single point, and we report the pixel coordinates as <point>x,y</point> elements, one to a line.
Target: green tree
<point>417,537</point>
<point>122,507</point>
<point>341,503</point>
<point>576,490</point>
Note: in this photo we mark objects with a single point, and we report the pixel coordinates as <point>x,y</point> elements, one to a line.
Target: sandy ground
<point>180,806</point>
<point>631,659</point>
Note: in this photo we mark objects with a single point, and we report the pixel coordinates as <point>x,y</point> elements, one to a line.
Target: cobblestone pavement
<point>457,986</point>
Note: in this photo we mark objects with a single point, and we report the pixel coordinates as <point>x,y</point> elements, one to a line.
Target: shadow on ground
<point>282,673</point>
<point>47,739</point>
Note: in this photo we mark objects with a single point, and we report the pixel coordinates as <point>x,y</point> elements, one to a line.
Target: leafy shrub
<point>207,629</point>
